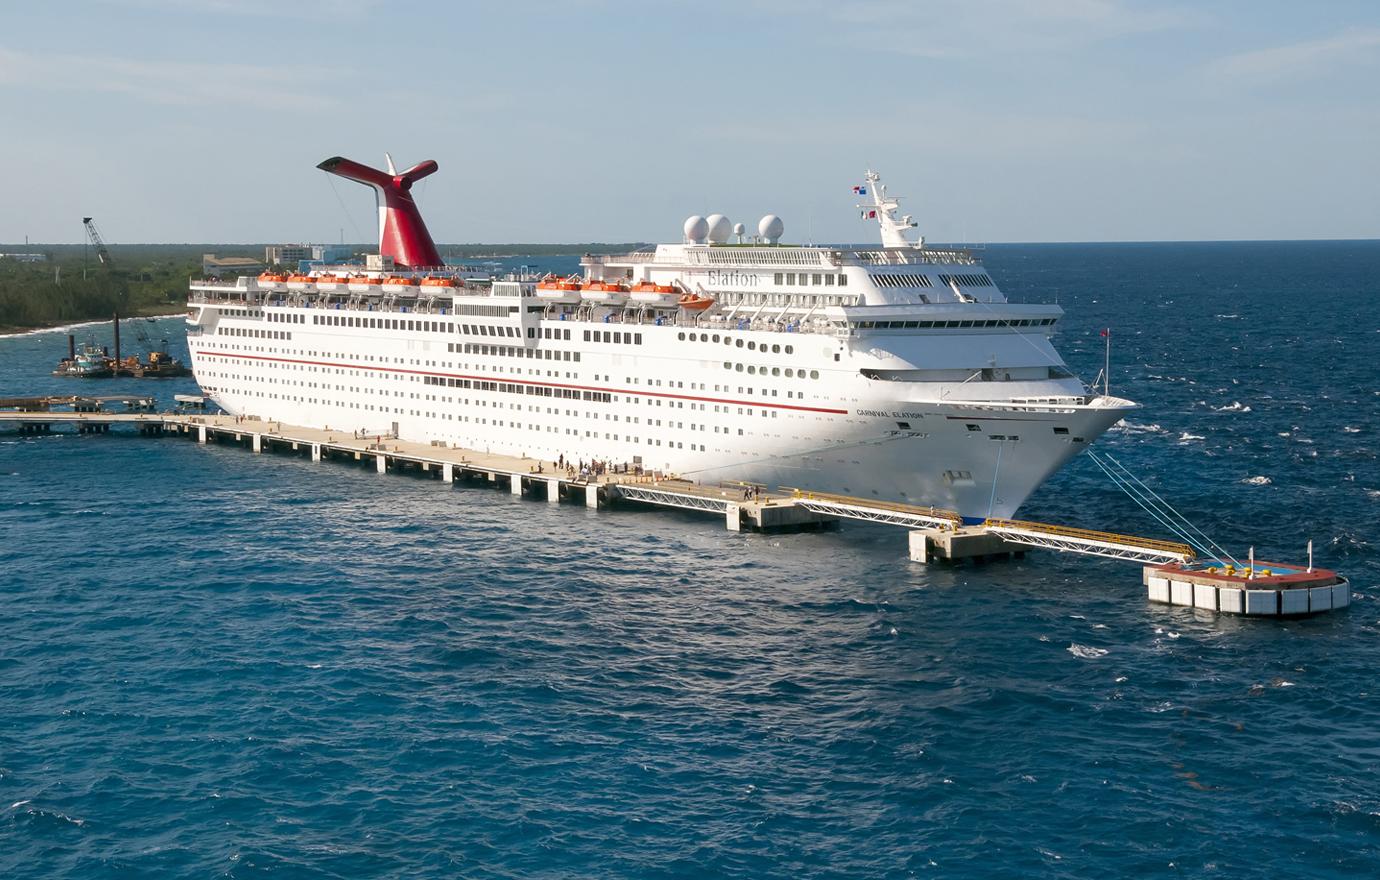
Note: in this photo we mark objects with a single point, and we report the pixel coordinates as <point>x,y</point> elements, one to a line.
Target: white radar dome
<point>770,228</point>
<point>719,228</point>
<point>696,228</point>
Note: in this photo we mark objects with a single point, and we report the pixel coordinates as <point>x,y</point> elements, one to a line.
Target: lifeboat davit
<point>398,284</point>
<point>272,281</point>
<point>555,289</point>
<point>300,282</point>
<point>363,284</point>
<point>654,294</point>
<point>695,302</point>
<point>604,292</point>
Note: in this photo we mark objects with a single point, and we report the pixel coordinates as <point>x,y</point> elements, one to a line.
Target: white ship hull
<point>664,402</point>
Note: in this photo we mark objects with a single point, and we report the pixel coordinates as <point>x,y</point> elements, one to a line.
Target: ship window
<point>1061,430</point>
<point>680,336</point>
<point>790,277</point>
<point>817,279</point>
<point>790,373</point>
<point>716,337</point>
<point>972,427</point>
<point>814,374</point>
<point>777,278</point>
<point>739,343</point>
<point>828,280</point>
<point>843,280</point>
<point>752,345</point>
<point>638,338</point>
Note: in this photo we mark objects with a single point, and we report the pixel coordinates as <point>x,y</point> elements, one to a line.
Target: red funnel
<point>402,233</point>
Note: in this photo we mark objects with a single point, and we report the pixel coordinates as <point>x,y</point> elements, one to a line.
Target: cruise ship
<point>898,372</point>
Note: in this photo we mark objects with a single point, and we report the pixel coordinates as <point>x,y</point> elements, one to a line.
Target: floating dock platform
<point>1171,574</point>
<point>1261,589</point>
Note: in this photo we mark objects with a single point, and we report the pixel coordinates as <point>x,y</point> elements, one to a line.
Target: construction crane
<point>101,250</point>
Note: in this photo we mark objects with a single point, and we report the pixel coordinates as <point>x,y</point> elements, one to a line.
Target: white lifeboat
<point>300,282</point>
<point>331,283</point>
<point>272,281</point>
<point>363,284</point>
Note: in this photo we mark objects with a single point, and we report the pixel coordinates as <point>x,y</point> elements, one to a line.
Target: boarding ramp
<point>666,497</point>
<point>886,512</point>
<point>1069,540</point>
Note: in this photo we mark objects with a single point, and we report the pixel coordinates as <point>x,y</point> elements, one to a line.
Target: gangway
<point>869,510</point>
<point>1070,540</point>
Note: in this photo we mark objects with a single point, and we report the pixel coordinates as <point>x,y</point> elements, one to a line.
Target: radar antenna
<point>883,208</point>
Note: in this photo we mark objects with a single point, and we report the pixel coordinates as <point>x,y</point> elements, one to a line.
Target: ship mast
<point>883,209</point>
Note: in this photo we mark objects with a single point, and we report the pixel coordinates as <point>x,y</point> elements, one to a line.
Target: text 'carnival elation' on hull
<point>898,373</point>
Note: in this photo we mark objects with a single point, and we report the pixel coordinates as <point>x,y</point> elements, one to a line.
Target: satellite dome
<point>770,228</point>
<point>719,228</point>
<point>696,228</point>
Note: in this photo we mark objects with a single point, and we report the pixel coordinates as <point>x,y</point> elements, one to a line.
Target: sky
<point>582,120</point>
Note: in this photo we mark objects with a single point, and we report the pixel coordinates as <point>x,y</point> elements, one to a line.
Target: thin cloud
<point>951,28</point>
<point>1309,58</point>
<point>171,82</point>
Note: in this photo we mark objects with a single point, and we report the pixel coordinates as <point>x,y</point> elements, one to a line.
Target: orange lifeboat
<point>555,289</point>
<point>695,302</point>
<point>653,294</point>
<point>398,284</point>
<point>604,292</point>
<point>271,281</point>
<point>299,282</point>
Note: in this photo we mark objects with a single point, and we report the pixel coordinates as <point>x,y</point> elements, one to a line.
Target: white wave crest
<point>1234,406</point>
<point>1258,481</point>
<point>1086,652</point>
<point>1186,437</point>
<point>1134,428</point>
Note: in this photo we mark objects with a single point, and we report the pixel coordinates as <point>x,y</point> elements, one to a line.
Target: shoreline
<point>9,332</point>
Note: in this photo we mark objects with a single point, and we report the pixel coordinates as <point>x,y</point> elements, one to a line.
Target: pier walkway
<point>935,533</point>
<point>1170,573</point>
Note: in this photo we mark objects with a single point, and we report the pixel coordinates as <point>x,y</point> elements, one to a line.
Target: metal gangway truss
<point>653,494</point>
<point>886,512</point>
<point>1071,540</point>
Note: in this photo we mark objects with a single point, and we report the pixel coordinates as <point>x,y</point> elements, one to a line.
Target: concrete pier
<point>967,542</point>
<point>935,535</point>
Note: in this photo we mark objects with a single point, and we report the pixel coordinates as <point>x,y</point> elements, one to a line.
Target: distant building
<point>25,258</point>
<point>287,254</point>
<point>332,253</point>
<point>213,266</point>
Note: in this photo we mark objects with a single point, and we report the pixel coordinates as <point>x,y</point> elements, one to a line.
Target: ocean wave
<point>1226,317</point>
<point>1258,481</point>
<point>1234,406</point>
<point>1086,652</point>
<point>1126,427</point>
<point>1351,430</point>
<point>1186,437</point>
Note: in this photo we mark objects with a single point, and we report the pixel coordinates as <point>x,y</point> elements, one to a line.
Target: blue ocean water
<point>215,664</point>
